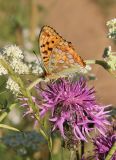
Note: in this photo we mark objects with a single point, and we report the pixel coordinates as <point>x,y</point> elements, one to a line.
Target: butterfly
<point>57,53</point>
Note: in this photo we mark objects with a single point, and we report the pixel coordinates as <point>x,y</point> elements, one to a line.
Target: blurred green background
<point>82,23</point>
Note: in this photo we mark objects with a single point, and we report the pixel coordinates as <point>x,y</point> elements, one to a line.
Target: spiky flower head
<point>74,110</point>
<point>103,144</point>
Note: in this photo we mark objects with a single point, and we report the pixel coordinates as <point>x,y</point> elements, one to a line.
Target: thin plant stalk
<point>82,148</point>
<point>62,153</point>
<point>77,155</point>
<point>111,152</point>
<point>71,155</point>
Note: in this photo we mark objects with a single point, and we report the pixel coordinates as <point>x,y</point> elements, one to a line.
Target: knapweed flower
<point>112,28</point>
<point>74,110</point>
<point>103,144</point>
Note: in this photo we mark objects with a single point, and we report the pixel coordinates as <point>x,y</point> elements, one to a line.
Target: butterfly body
<point>57,54</point>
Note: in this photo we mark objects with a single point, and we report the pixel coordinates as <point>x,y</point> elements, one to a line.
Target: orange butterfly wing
<point>57,54</point>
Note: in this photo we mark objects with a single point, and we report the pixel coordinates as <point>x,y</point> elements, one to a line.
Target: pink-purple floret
<point>103,144</point>
<point>78,108</point>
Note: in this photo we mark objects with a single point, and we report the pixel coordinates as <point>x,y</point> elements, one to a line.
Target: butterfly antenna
<point>36,56</point>
<point>39,61</point>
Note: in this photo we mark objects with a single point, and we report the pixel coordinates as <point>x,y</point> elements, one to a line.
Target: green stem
<point>19,81</point>
<point>77,155</point>
<point>103,64</point>
<point>26,93</point>
<point>100,62</point>
<point>62,153</point>
<point>6,113</point>
<point>90,61</point>
<point>111,152</point>
<point>82,148</point>
<point>34,83</point>
<point>71,155</point>
<point>50,147</point>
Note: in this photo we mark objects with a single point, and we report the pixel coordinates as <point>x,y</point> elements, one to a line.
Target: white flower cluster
<point>19,66</point>
<point>15,58</point>
<point>36,68</point>
<point>112,28</point>
<point>111,59</point>
<point>13,86</point>
<point>3,71</point>
<point>12,51</point>
<point>109,51</point>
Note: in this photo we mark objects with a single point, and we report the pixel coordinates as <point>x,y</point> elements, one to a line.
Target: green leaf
<point>8,127</point>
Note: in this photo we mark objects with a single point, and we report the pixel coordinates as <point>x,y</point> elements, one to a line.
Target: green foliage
<point>25,143</point>
<point>105,5</point>
<point>12,14</point>
<point>6,97</point>
<point>3,155</point>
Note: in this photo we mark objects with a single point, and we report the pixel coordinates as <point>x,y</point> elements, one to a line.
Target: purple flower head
<point>103,145</point>
<point>74,110</point>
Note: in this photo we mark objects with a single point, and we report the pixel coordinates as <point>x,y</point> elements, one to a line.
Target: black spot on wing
<point>50,49</point>
<point>43,45</point>
<point>45,52</point>
<point>47,43</point>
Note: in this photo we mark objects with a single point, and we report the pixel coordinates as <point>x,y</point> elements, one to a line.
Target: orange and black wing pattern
<point>57,54</point>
